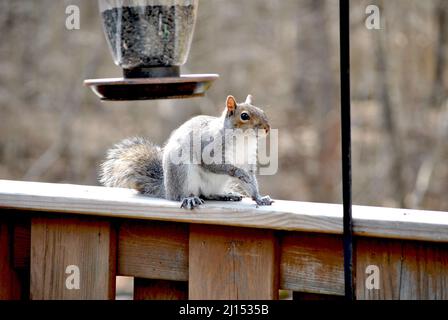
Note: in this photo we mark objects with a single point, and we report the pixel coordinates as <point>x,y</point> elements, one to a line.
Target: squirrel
<point>166,173</point>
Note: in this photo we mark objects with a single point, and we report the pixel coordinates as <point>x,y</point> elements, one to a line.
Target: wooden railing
<point>49,232</point>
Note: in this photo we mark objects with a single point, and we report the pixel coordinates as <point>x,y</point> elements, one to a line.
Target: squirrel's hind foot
<point>232,197</point>
<point>191,202</point>
<point>264,201</point>
<point>224,197</point>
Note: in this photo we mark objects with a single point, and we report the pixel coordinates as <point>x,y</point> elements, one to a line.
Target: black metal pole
<point>344,33</point>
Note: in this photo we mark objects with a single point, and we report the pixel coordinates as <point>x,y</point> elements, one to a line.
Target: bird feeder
<point>150,40</point>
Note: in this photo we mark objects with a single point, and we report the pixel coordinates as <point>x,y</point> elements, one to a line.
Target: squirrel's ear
<point>249,99</point>
<point>231,104</point>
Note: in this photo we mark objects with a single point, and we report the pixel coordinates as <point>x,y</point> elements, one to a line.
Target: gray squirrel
<point>198,162</point>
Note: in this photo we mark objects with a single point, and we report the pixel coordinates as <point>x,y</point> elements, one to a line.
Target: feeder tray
<point>125,89</point>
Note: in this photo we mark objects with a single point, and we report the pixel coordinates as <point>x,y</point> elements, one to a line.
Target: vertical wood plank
<point>387,256</point>
<point>424,274</point>
<point>58,242</point>
<point>10,285</point>
<point>149,289</point>
<point>153,250</point>
<point>232,263</point>
<point>22,244</point>
<point>409,270</point>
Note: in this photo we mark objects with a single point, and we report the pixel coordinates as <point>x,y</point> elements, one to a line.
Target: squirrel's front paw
<point>264,201</point>
<point>191,202</point>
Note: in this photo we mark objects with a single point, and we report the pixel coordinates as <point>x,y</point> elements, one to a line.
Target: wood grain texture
<point>149,289</point>
<point>153,250</point>
<point>22,244</point>
<point>409,270</point>
<point>59,242</point>
<point>387,256</point>
<point>282,215</point>
<point>232,263</point>
<point>306,296</point>
<point>312,263</point>
<point>10,285</point>
<point>425,272</point>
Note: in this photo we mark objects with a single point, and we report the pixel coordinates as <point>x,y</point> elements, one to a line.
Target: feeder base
<point>128,89</point>
<point>151,72</point>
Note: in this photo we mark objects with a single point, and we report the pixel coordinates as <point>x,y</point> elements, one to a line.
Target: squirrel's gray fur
<point>139,164</point>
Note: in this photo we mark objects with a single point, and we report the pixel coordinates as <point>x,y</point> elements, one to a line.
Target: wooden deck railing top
<point>282,215</point>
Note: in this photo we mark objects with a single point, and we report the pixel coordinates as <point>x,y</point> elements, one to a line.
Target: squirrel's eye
<point>245,116</point>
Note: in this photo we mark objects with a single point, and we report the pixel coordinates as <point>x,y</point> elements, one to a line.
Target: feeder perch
<point>150,40</point>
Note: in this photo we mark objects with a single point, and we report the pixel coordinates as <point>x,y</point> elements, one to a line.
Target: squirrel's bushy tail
<point>134,163</point>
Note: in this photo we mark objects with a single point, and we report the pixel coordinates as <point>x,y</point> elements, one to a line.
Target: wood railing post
<point>232,263</point>
<point>10,285</point>
<point>67,251</point>
<point>224,250</point>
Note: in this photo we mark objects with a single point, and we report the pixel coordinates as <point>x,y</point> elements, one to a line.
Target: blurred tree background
<point>285,53</point>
